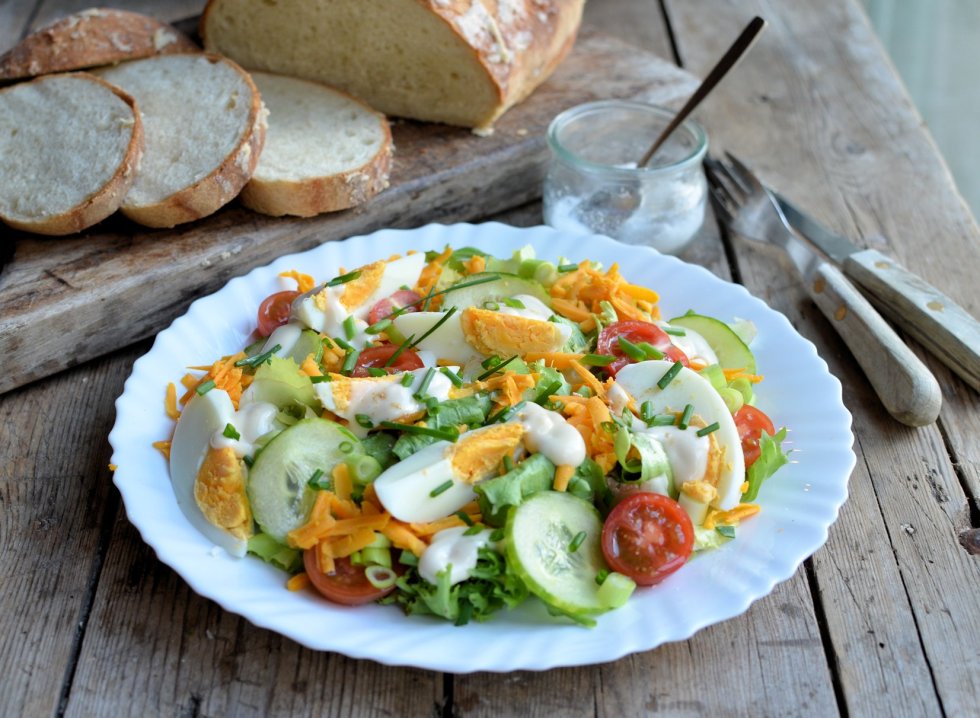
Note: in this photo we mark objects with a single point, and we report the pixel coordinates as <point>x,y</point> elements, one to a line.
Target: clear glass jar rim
<point>563,153</point>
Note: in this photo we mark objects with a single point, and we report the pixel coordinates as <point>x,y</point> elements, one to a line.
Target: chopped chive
<point>398,352</point>
<point>343,344</point>
<point>610,427</point>
<point>364,421</point>
<point>318,354</point>
<point>492,306</point>
<point>231,432</point>
<point>597,359</point>
<point>349,328</point>
<point>452,376</point>
<point>321,379</point>
<point>448,434</point>
<point>669,375</point>
<point>494,369</point>
<point>497,535</point>
<point>378,327</point>
<point>543,395</point>
<point>259,358</point>
<point>650,351</point>
<point>490,361</point>
<point>577,541</point>
<point>205,387</point>
<point>431,405</point>
<point>405,288</point>
<point>514,303</point>
<point>316,480</point>
<point>248,460</point>
<point>508,464</point>
<point>407,558</point>
<point>432,295</point>
<point>709,429</point>
<point>345,447</point>
<point>464,517</point>
<point>441,488</point>
<point>350,359</point>
<point>677,332</point>
<point>407,379</point>
<point>344,278</point>
<point>726,531</point>
<point>646,411</point>
<point>426,380</point>
<point>663,420</point>
<point>412,342</point>
<point>567,267</point>
<point>325,342</point>
<point>600,578</point>
<point>630,349</point>
<point>375,372</point>
<point>473,530</point>
<point>686,417</point>
<point>505,413</point>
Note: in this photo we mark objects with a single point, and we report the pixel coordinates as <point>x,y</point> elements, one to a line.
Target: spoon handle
<point>726,63</point>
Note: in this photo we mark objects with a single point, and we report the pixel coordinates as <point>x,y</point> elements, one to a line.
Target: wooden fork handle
<point>905,386</point>
<point>936,321</point>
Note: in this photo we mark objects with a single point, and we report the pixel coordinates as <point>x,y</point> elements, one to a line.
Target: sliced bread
<point>205,127</point>
<point>71,146</point>
<point>324,151</point>
<point>99,36</point>
<point>458,61</point>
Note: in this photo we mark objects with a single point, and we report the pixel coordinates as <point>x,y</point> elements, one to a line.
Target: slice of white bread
<point>324,151</point>
<point>463,62</point>
<point>94,37</point>
<point>205,127</point>
<point>70,148</point>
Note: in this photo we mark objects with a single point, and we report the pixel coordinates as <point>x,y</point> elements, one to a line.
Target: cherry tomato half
<point>635,332</point>
<point>398,300</point>
<point>274,311</point>
<point>376,357</point>
<point>750,423</point>
<point>348,584</point>
<point>647,537</point>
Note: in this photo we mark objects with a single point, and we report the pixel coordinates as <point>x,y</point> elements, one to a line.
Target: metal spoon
<point>726,63</point>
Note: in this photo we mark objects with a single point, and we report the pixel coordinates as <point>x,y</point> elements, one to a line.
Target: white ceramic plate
<point>799,503</point>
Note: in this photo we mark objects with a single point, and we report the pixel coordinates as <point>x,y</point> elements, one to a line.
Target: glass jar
<point>593,184</point>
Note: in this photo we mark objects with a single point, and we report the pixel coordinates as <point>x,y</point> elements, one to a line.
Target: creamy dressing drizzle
<point>330,320</point>
<point>692,344</point>
<point>250,421</point>
<point>546,432</point>
<point>450,548</point>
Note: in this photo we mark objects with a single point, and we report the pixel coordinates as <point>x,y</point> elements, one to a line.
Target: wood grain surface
<point>884,620</point>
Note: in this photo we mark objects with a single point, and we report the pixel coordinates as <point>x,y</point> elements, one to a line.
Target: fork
<point>906,387</point>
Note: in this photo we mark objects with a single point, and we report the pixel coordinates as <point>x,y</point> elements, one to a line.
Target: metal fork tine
<point>721,205</point>
<point>743,174</point>
<point>718,174</point>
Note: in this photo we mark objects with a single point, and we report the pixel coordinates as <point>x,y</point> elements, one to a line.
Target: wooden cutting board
<point>66,300</point>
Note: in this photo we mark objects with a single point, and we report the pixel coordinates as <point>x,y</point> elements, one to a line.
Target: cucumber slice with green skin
<point>539,535</point>
<point>277,483</point>
<point>731,351</point>
<point>507,286</point>
<point>308,343</point>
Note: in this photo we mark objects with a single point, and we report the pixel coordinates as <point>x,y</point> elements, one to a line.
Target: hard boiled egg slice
<point>203,416</point>
<point>324,308</point>
<point>688,387</point>
<point>447,342</point>
<point>438,480</point>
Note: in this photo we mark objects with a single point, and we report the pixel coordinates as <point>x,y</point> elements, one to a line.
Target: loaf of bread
<point>205,127</point>
<point>70,145</point>
<point>463,62</point>
<point>324,151</point>
<point>94,37</point>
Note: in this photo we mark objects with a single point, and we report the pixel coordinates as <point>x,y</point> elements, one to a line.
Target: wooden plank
<point>842,139</point>
<point>57,295</point>
<point>54,501</point>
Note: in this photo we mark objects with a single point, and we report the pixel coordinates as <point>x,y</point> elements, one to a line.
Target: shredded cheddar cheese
<point>304,282</point>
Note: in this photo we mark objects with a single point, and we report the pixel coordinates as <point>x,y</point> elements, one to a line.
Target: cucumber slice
<point>539,534</point>
<point>505,287</point>
<point>277,482</point>
<point>308,343</point>
<point>731,351</point>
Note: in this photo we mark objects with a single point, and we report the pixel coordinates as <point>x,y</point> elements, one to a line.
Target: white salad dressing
<point>382,398</point>
<point>251,421</point>
<point>534,308</point>
<point>692,344</point>
<point>451,548</point>
<point>686,452</point>
<point>285,336</point>
<point>546,432</point>
<point>321,310</point>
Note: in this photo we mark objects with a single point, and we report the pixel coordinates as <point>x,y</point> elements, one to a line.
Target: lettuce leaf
<point>771,458</point>
<point>707,539</point>
<point>469,410</point>
<point>534,474</point>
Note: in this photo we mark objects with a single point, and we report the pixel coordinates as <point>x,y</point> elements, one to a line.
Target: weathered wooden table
<point>884,620</point>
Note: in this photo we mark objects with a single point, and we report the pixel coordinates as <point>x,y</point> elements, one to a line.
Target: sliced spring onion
<point>685,419</point>
<point>452,376</point>
<point>375,372</point>
<point>547,391</point>
<point>514,303</point>
<point>650,351</point>
<point>494,369</point>
<point>363,469</point>
<point>473,530</point>
<point>231,432</point>
<point>630,349</point>
<point>615,590</point>
<point>321,379</point>
<point>709,429</point>
<point>349,328</point>
<point>407,379</point>
<point>350,359</point>
<point>316,481</point>
<point>597,359</point>
<point>426,380</point>
<point>441,488</point>
<point>508,464</point>
<point>464,517</point>
<point>669,375</point>
<point>258,358</point>
<point>345,447</point>
<point>646,411</point>
<point>600,578</point>
<point>567,267</point>
<point>497,535</point>
<point>380,577</point>
<point>205,387</point>
<point>663,420</point>
<point>676,331</point>
<point>577,541</point>
<point>505,413</point>
<point>364,421</point>
<point>344,278</point>
<point>378,327</point>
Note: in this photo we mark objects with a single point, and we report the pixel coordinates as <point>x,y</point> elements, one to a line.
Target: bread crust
<point>94,37</point>
<point>223,184</point>
<point>517,43</point>
<point>311,196</point>
<point>105,200</point>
